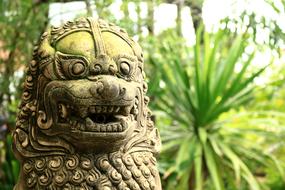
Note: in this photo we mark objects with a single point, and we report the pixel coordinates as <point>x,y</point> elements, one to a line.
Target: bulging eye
<point>125,68</point>
<point>78,68</point>
<point>70,66</point>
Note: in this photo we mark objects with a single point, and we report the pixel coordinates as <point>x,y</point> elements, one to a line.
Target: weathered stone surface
<point>83,121</point>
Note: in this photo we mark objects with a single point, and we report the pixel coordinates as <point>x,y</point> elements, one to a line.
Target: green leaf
<point>227,68</point>
<point>238,165</point>
<point>198,167</point>
<point>278,166</point>
<point>185,156</point>
<point>213,167</point>
<point>197,64</point>
<point>234,159</point>
<point>169,145</point>
<point>15,169</point>
<point>202,135</point>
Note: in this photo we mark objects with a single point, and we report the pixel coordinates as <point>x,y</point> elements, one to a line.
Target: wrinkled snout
<point>107,88</point>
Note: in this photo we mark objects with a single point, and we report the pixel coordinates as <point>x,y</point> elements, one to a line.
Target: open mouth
<point>98,118</point>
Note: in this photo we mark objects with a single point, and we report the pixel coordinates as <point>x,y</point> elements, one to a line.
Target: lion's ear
<point>45,49</point>
<point>44,55</point>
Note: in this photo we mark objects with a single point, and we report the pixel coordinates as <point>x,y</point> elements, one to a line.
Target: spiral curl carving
<point>60,178</point>
<point>92,177</point>
<point>72,162</point>
<point>115,176</point>
<point>102,162</point>
<point>31,179</point>
<point>40,163</point>
<point>77,177</point>
<point>45,178</point>
<point>86,163</point>
<point>55,163</point>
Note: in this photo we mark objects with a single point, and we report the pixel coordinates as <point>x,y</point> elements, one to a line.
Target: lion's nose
<point>106,89</point>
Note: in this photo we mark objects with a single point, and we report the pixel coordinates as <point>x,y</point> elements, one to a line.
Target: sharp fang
<point>88,122</point>
<point>120,117</point>
<point>63,111</point>
<point>98,109</point>
<point>92,109</point>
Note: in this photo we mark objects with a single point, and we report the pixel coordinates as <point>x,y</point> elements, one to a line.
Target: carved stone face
<point>90,88</point>
<point>94,94</point>
<point>92,100</point>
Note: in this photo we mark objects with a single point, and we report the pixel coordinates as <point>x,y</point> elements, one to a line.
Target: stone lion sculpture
<point>83,121</point>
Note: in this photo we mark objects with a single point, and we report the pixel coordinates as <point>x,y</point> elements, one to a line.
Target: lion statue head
<point>83,120</point>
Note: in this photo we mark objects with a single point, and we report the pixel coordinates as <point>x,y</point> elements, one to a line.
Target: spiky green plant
<point>10,167</point>
<point>199,150</point>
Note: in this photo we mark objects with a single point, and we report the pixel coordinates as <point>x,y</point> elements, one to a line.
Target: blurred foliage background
<point>218,100</point>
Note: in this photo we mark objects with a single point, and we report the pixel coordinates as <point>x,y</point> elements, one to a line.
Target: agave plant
<point>198,147</point>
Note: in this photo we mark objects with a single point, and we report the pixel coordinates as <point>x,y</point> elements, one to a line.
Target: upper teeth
<point>111,127</point>
<point>104,109</point>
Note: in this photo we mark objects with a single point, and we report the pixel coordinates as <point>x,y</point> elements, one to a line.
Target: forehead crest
<point>94,27</point>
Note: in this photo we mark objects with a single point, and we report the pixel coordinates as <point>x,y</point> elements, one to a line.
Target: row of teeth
<point>114,127</point>
<point>100,109</point>
<point>92,127</point>
<point>105,109</point>
<point>89,124</point>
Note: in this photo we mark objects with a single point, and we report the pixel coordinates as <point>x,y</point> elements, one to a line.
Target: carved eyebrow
<point>126,56</point>
<point>67,56</point>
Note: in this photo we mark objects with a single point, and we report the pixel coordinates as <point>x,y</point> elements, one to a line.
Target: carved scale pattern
<point>133,171</point>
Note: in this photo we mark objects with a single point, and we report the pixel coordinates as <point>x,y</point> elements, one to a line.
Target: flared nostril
<point>100,88</point>
<point>122,91</point>
<point>113,91</point>
<point>97,89</point>
<point>105,89</point>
